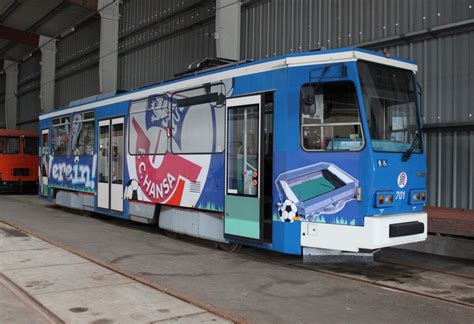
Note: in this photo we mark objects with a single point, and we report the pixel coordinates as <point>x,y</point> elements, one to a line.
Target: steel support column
<point>11,82</point>
<point>48,69</point>
<point>109,33</point>
<point>228,17</point>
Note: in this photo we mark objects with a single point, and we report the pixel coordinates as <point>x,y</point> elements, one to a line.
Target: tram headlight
<point>417,196</point>
<point>384,198</point>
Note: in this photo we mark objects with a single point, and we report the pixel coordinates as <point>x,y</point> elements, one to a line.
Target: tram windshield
<point>390,103</point>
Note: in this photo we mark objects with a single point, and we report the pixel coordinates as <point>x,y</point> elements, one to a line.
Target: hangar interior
<point>57,52</point>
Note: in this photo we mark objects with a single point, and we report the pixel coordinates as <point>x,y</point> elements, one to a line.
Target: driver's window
<point>330,118</point>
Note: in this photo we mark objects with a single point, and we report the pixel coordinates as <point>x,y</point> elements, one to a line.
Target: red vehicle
<point>18,161</point>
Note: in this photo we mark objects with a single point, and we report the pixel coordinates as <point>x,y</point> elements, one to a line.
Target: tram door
<point>44,163</point>
<point>243,217</point>
<point>110,164</point>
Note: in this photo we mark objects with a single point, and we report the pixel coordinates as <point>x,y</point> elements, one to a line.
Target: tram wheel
<point>171,234</point>
<point>229,247</point>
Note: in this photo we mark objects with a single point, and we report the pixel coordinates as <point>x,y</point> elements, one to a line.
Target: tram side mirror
<point>307,96</point>
<point>309,108</point>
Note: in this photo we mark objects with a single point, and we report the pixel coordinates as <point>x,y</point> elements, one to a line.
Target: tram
<point>318,151</point>
<point>18,161</point>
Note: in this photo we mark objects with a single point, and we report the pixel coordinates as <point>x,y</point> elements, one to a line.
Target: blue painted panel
<point>287,237</point>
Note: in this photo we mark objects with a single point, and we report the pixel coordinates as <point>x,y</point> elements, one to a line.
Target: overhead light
<point>67,32</point>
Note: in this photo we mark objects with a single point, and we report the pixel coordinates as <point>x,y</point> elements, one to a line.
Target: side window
<point>9,145</point>
<point>197,123</point>
<point>60,136</point>
<point>82,134</point>
<point>149,126</point>
<point>30,145</point>
<point>330,117</point>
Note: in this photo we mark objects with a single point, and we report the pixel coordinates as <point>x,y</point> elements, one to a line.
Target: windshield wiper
<point>408,152</point>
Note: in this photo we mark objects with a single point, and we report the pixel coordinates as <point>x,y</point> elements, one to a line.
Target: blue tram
<point>317,151</point>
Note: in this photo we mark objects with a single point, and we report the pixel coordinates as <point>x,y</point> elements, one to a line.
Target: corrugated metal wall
<point>161,38</point>
<point>2,100</point>
<point>28,92</point>
<point>77,63</point>
<point>438,34</point>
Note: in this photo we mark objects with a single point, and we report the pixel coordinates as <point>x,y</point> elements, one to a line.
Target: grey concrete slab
<point>195,318</point>
<point>14,240</point>
<point>259,287</point>
<point>64,278</point>
<point>128,303</point>
<point>13,310</point>
<point>81,291</point>
<point>36,258</point>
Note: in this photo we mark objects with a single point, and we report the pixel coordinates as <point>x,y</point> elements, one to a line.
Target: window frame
<point>224,106</point>
<point>129,126</point>
<point>417,110</point>
<point>360,123</point>
<point>19,145</point>
<point>54,124</point>
<point>84,113</point>
<point>24,145</point>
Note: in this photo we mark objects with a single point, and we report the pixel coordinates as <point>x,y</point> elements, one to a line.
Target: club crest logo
<point>402,179</point>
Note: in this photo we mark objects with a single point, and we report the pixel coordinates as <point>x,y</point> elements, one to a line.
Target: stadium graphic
<point>310,191</point>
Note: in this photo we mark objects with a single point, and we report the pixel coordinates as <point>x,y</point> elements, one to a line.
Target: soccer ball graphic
<point>287,211</point>
<point>133,191</point>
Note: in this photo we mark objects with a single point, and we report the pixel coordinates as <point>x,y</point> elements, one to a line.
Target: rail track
<point>354,273</point>
<point>51,318</point>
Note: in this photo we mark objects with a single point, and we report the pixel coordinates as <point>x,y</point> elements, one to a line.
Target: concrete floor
<point>71,289</point>
<point>14,310</point>
<point>257,285</point>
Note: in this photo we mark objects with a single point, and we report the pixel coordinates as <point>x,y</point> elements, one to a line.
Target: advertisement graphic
<point>319,189</point>
<point>176,146</point>
<point>73,173</point>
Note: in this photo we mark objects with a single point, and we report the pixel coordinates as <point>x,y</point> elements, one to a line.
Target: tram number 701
<point>400,195</point>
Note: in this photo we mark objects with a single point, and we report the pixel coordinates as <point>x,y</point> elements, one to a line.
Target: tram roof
<point>241,69</point>
<point>18,132</point>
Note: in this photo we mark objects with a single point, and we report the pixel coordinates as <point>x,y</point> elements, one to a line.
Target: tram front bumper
<point>377,232</point>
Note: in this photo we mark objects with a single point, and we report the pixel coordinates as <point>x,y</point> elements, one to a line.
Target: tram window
<point>60,136</point>
<point>30,145</point>
<point>82,134</point>
<point>117,153</point>
<point>330,118</point>
<point>148,126</point>
<point>9,145</point>
<point>197,124</point>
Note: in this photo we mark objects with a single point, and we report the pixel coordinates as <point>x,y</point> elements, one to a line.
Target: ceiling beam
<point>8,9</point>
<point>19,36</point>
<point>88,4</point>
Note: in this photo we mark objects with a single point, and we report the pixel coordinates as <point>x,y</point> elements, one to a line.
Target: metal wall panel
<point>77,59</point>
<point>301,25</point>
<point>445,55</point>
<point>161,38</point>
<point>81,84</point>
<point>28,107</point>
<point>28,91</point>
<point>451,169</point>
